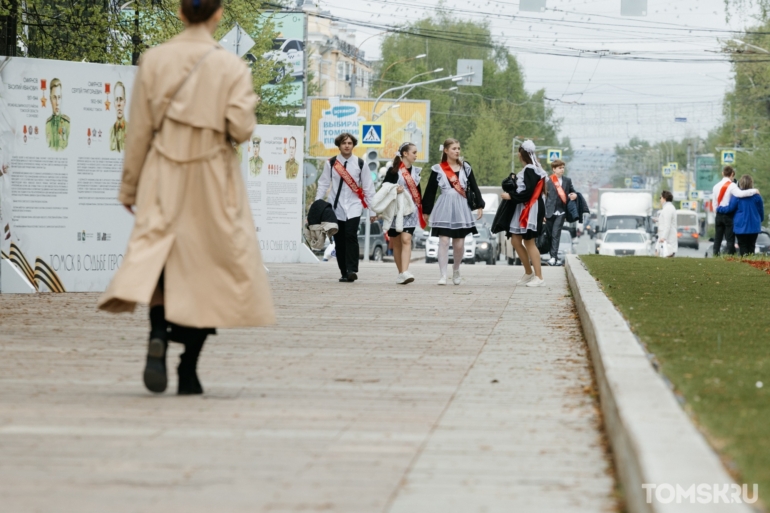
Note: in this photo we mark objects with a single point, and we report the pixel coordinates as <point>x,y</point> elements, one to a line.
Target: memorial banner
<point>402,121</point>
<point>272,163</point>
<point>62,137</point>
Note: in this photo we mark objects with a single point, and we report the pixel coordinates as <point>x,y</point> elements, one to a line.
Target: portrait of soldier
<point>57,127</point>
<point>118,130</point>
<point>255,161</point>
<point>292,166</point>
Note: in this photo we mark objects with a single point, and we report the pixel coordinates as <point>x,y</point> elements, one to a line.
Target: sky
<point>609,77</point>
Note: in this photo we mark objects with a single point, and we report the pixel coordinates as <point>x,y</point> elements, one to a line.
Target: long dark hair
<point>525,156</point>
<point>400,153</point>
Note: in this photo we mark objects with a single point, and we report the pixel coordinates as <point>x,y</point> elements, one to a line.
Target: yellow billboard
<point>402,121</point>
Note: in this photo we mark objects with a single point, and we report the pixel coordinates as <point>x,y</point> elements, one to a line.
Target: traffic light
<point>372,163</point>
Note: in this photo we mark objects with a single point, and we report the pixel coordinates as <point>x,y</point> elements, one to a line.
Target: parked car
<point>487,246</point>
<point>469,254</point>
<point>687,228</point>
<point>290,54</point>
<point>377,244</point>
<point>419,237</point>
<point>762,247</point>
<point>625,243</point>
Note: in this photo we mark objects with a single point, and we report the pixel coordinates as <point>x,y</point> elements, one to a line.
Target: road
<point>365,398</point>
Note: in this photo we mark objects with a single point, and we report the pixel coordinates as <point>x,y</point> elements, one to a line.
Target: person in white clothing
<point>668,243</point>
<point>725,189</point>
<point>350,191</point>
<point>399,173</point>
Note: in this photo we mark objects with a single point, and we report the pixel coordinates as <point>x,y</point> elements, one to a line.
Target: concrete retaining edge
<point>652,438</point>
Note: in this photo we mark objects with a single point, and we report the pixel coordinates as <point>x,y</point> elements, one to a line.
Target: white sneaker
<point>536,282</point>
<point>552,261</point>
<point>400,279</point>
<point>456,278</point>
<point>408,277</point>
<point>525,279</point>
<point>442,280</point>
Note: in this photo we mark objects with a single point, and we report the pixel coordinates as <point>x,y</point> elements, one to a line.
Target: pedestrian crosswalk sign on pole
<point>728,157</point>
<point>667,172</point>
<point>553,155</point>
<point>371,134</point>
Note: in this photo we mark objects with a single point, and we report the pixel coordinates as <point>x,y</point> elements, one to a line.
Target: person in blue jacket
<point>749,213</point>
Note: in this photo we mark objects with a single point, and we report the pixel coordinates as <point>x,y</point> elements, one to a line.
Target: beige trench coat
<point>192,213</point>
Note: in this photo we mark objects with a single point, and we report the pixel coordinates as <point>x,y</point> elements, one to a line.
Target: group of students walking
<point>451,205</point>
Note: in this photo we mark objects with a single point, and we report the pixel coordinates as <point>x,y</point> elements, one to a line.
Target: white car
<point>625,243</point>
<point>469,252</point>
<point>290,54</point>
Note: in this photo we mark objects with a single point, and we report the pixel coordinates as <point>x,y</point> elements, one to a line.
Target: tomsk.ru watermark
<point>704,493</point>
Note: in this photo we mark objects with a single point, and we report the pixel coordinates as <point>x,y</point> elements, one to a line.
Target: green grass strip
<point>708,323</point>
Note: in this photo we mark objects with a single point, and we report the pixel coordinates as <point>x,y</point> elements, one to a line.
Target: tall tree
<point>100,31</point>
<point>462,113</point>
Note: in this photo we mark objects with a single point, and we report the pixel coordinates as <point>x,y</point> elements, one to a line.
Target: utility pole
<point>689,169</point>
<point>136,39</point>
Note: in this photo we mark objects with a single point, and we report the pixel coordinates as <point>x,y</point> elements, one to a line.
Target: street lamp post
<point>353,76</point>
<point>421,56</point>
<point>410,87</point>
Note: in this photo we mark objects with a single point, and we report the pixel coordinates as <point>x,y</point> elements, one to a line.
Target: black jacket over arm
<point>531,178</point>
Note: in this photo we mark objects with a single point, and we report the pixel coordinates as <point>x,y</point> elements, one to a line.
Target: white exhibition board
<point>272,164</point>
<point>61,151</point>
<point>61,159</point>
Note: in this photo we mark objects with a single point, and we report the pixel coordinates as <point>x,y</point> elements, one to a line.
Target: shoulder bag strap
<point>179,88</point>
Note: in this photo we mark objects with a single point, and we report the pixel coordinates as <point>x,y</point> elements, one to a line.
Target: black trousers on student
<point>555,224</point>
<point>724,230</point>
<point>747,242</point>
<point>346,245</point>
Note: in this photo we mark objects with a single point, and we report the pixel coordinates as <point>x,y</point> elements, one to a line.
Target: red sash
<point>414,192</point>
<point>722,192</point>
<point>452,177</point>
<point>524,217</point>
<point>559,189</point>
<point>340,169</point>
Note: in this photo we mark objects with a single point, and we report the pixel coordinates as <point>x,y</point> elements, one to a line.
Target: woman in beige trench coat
<point>193,253</point>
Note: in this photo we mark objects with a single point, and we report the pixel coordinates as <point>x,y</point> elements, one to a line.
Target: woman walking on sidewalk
<point>527,224</point>
<point>407,176</point>
<point>452,218</point>
<point>193,253</point>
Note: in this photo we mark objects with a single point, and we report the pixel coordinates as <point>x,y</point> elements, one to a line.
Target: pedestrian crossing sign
<point>628,182</point>
<point>371,134</point>
<point>694,195</point>
<point>728,157</point>
<point>674,166</point>
<point>553,155</point>
<point>667,172</point>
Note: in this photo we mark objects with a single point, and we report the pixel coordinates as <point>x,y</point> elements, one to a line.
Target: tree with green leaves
<point>485,119</point>
<point>105,31</point>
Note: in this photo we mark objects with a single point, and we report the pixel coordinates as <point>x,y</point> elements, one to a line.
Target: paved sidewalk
<point>366,397</point>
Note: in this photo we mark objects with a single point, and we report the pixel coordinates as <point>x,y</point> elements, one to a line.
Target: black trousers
<point>747,242</point>
<point>555,224</point>
<point>724,230</point>
<point>346,245</point>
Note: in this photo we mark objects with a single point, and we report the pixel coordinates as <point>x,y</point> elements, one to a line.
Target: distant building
<point>333,56</point>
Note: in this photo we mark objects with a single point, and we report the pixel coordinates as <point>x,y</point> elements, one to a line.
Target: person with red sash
<point>527,223</point>
<point>406,175</point>
<point>560,191</point>
<point>451,215</point>
<point>721,194</point>
<point>351,190</point>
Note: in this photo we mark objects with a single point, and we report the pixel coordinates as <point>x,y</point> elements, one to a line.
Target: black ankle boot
<point>189,384</point>
<point>155,378</point>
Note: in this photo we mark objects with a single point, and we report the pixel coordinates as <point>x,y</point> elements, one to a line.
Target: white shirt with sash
<point>349,205</point>
<point>732,190</point>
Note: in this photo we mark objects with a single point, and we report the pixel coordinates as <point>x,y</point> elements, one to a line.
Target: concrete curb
<point>653,440</point>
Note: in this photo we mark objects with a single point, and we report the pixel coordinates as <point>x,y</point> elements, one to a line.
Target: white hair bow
<point>531,149</point>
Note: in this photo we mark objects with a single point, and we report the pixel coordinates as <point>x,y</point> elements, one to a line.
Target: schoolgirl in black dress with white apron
<point>406,175</point>
<point>451,217</point>
<point>527,222</point>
